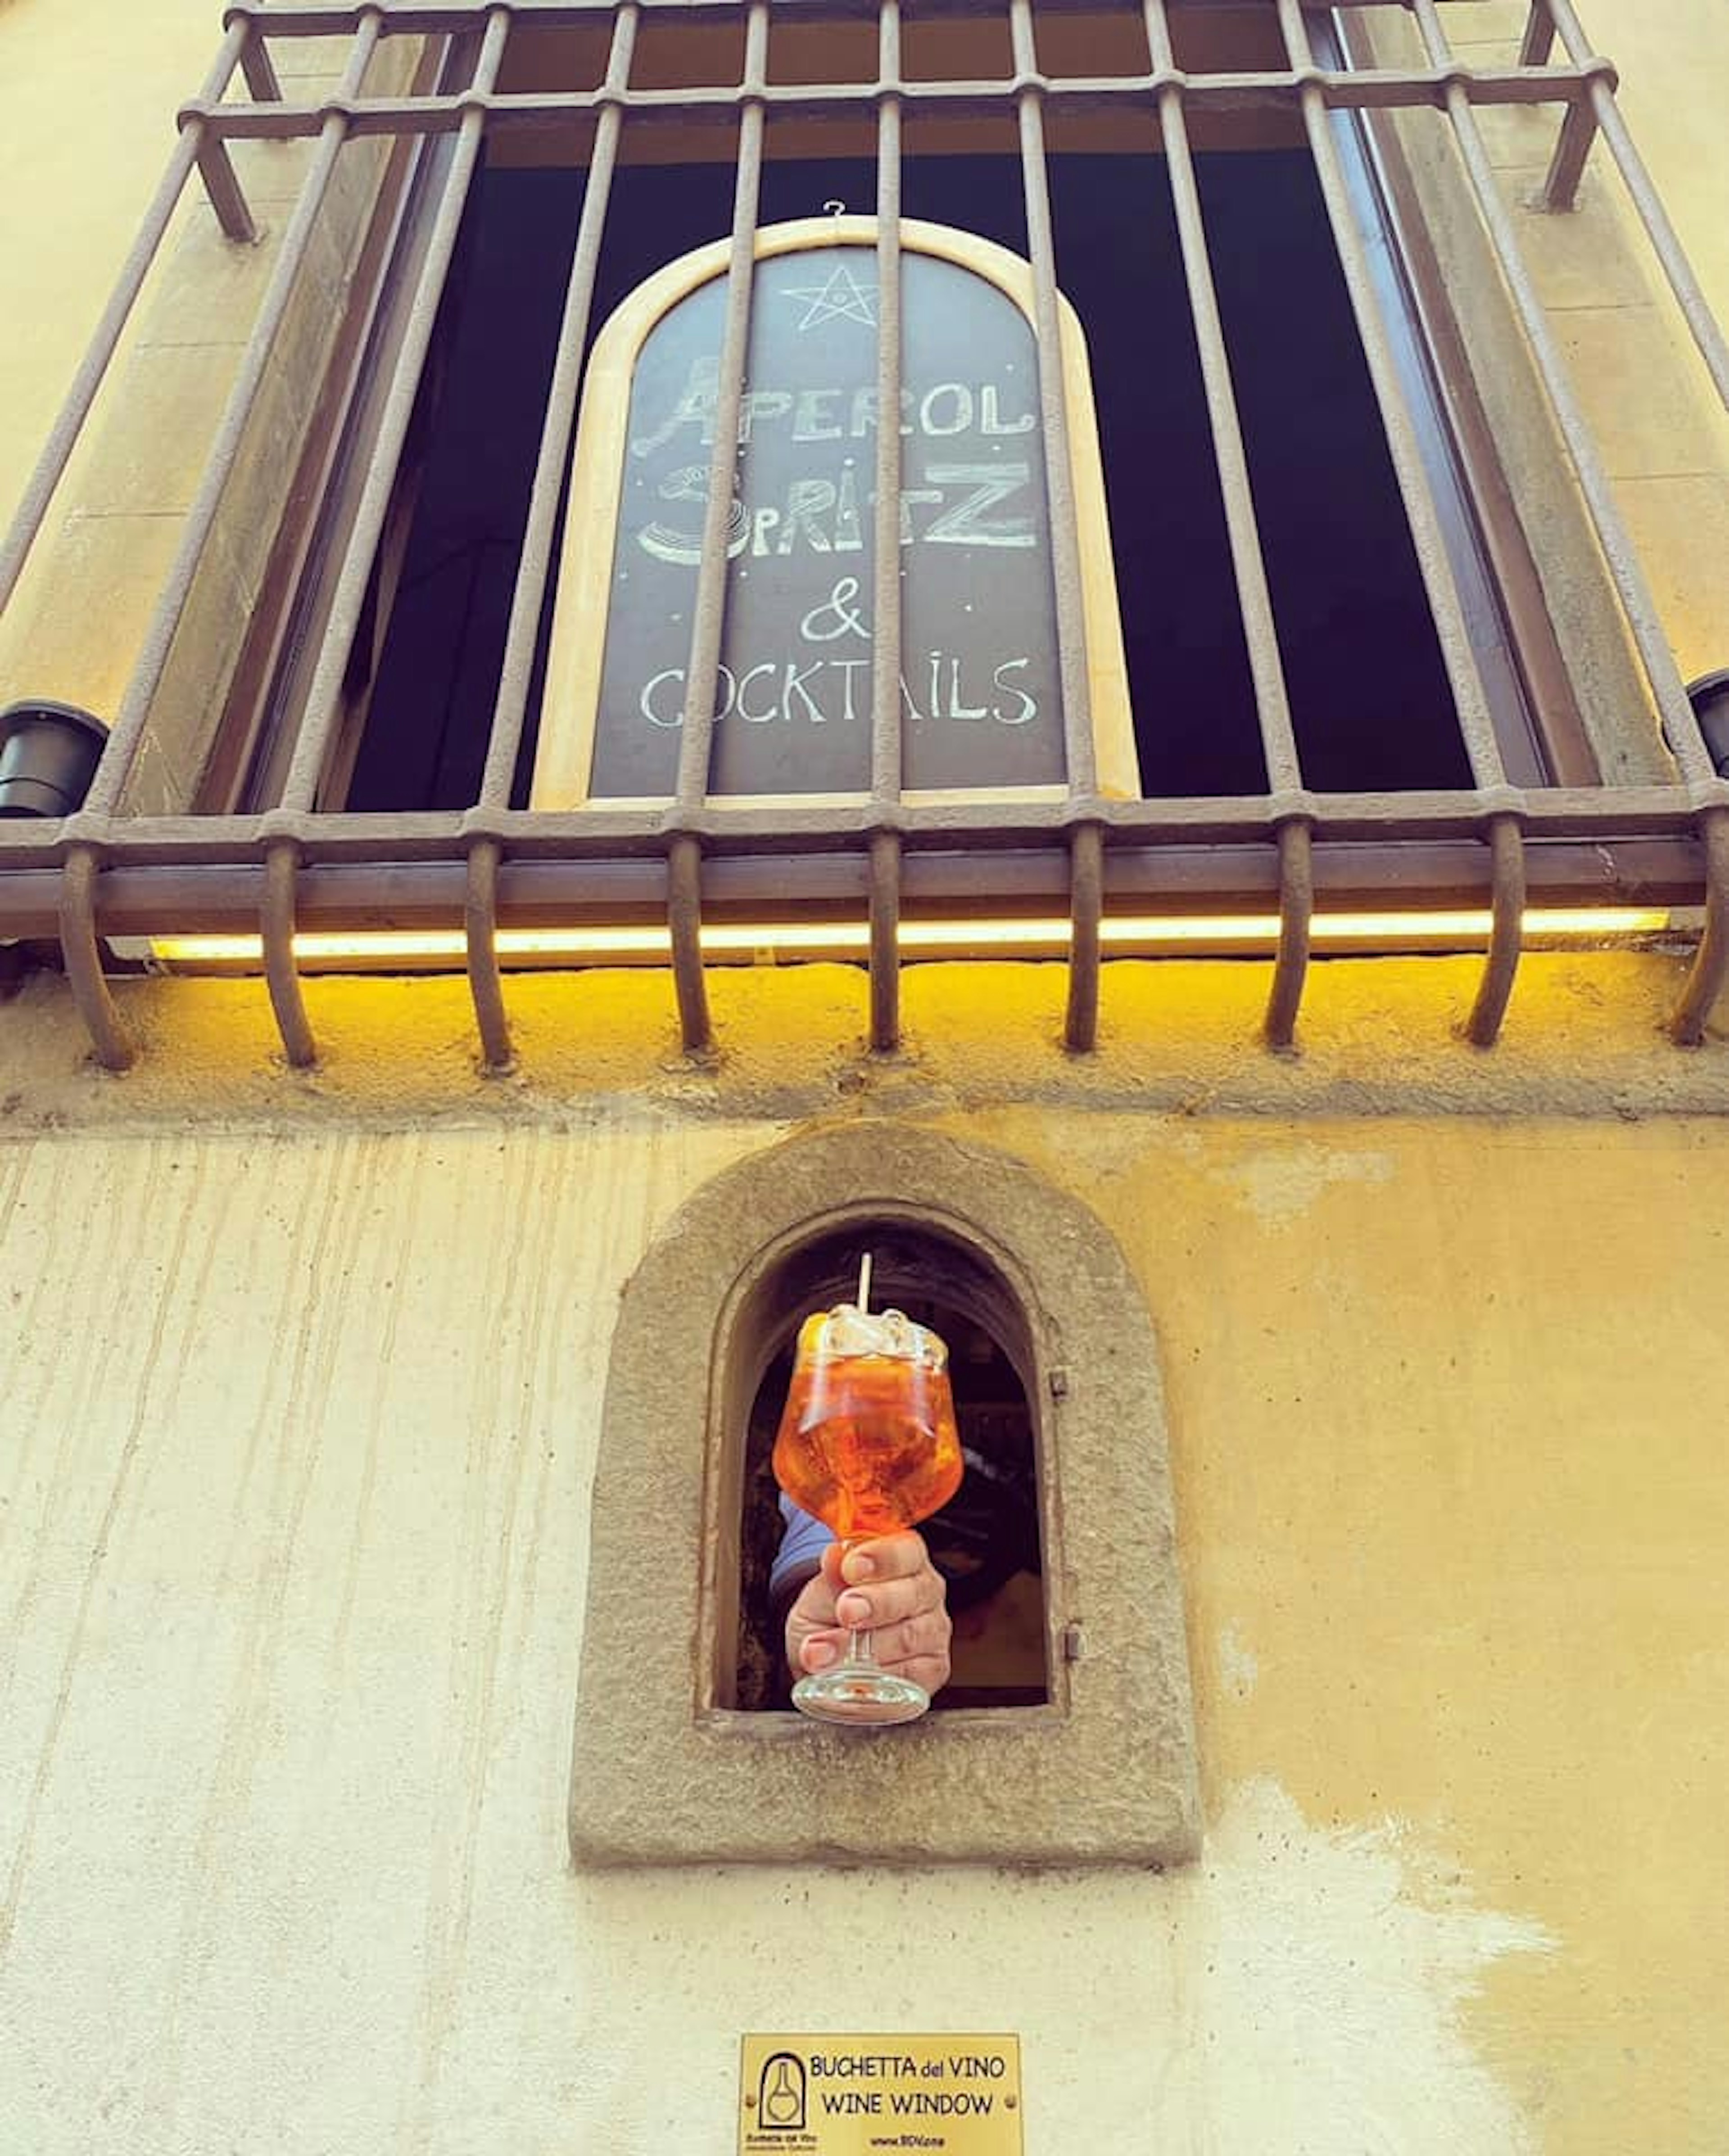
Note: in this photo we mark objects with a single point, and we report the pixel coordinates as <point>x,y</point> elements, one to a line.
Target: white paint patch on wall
<point>298,1442</point>
<point>1283,1184</point>
<point>1237,1665</point>
<point>1322,1982</point>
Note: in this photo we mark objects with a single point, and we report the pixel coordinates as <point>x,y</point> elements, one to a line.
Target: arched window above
<point>669,1768</point>
<point>970,676</point>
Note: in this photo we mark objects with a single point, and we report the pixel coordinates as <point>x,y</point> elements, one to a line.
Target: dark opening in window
<point>1370,699</point>
<point>986,1541</point>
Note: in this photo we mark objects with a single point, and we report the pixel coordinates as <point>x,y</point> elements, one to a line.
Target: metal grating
<point>292,868</point>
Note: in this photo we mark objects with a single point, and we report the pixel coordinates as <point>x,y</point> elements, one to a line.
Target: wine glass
<point>867,1445</point>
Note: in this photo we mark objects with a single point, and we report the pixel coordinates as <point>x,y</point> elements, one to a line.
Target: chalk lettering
<point>760,405</point>
<point>813,422</point>
<point>846,668</point>
<point>668,542</point>
<point>794,686</point>
<point>990,483</point>
<point>803,691</point>
<point>745,680</point>
<point>696,408</point>
<point>953,402</point>
<point>848,539</point>
<point>1028,705</point>
<point>990,423</point>
<point>957,709</point>
<point>806,500</point>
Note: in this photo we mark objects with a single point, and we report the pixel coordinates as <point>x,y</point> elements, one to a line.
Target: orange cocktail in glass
<point>867,1445</point>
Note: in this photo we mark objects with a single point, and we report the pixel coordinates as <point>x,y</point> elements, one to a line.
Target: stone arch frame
<point>1104,1773</point>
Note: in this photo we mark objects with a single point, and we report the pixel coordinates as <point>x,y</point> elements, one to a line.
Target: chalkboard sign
<point>978,685</point>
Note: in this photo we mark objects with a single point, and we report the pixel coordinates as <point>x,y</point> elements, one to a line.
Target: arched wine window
<point>671,1765</point>
<point>987,1541</point>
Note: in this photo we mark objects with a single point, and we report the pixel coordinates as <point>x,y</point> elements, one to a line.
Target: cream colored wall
<point>1658,423</point>
<point>88,93</point>
<point>83,609</point>
<point>89,169</point>
<point>299,1394</point>
<point>301,1428</point>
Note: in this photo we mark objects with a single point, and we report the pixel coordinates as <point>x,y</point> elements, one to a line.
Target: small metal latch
<point>1059,1384</point>
<point>1073,1643</point>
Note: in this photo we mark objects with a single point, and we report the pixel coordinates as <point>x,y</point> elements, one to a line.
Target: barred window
<point>1381,652</point>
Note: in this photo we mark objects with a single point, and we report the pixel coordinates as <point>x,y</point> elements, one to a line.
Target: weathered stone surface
<point>1105,1771</point>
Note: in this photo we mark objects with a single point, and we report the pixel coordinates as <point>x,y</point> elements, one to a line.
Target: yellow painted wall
<point>299,1394</point>
<point>299,1430</point>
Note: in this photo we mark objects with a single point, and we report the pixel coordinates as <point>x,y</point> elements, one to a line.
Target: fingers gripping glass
<point>868,1445</point>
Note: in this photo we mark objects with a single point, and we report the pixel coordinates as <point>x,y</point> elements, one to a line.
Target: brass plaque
<point>850,2096</point>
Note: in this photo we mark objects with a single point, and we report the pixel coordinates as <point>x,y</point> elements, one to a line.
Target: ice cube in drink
<point>867,1442</point>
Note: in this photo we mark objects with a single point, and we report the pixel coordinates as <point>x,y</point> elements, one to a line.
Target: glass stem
<point>857,1650</point>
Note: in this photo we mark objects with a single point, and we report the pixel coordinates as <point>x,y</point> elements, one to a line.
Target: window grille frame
<point>102,873</point>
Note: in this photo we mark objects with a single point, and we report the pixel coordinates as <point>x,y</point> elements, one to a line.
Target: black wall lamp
<point>49,754</point>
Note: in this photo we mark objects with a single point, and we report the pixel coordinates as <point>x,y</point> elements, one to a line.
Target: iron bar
<point>480,923</point>
<point>258,68</point>
<point>69,424</point>
<point>312,745</point>
<point>1260,631</point>
<point>1081,1027</point>
<point>152,662</point>
<point>556,888</point>
<point>884,942</point>
<point>1505,934</point>
<point>1296,915</point>
<point>276,927</point>
<point>1707,332</point>
<point>1538,41</point>
<point>684,923</point>
<point>1093,859</point>
<point>708,624</point>
<point>885,725</point>
<point>886,615</point>
<point>539,533</point>
<point>1598,816</point>
<point>540,540</point>
<point>1710,962</point>
<point>277,18</point>
<point>318,721</point>
<point>1470,703</point>
<point>511,111</point>
<point>708,614</point>
<point>1086,910</point>
<point>1686,743</point>
<point>1560,191</point>
<point>76,925</point>
<point>222,183</point>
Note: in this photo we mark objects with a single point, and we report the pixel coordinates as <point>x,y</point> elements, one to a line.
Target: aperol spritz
<point>867,1445</point>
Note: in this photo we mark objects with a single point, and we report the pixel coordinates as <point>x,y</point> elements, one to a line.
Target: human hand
<point>887,1586</point>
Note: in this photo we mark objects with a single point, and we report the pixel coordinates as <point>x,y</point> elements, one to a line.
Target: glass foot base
<point>863,1696</point>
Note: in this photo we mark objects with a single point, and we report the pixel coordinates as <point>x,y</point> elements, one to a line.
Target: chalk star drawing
<point>843,299</point>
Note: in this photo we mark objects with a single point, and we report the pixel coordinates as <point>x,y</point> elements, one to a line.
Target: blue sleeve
<point>800,1552</point>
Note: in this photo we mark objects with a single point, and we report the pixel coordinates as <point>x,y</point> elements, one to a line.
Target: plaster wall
<point>87,94</point>
<point>301,1382</point>
<point>300,1414</point>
